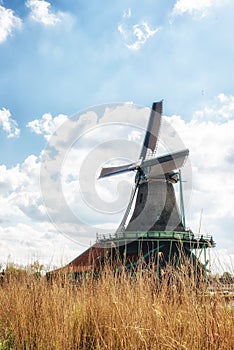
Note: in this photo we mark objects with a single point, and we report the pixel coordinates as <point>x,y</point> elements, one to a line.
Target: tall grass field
<point>115,311</point>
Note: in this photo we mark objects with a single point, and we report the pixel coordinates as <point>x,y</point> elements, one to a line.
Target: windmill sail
<point>117,170</point>
<point>165,164</point>
<point>127,211</point>
<point>152,132</point>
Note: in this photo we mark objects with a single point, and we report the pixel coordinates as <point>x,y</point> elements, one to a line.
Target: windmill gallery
<point>152,231</point>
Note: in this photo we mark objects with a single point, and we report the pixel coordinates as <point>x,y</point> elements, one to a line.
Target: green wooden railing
<point>174,235</point>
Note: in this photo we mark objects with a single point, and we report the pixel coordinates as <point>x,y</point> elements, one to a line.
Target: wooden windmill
<point>152,230</point>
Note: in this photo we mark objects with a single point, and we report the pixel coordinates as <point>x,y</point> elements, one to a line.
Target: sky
<point>77,82</point>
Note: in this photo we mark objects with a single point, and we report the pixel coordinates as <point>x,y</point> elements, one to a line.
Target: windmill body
<point>155,209</point>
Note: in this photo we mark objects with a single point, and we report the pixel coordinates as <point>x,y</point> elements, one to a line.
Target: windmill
<point>152,230</point>
<point>156,229</point>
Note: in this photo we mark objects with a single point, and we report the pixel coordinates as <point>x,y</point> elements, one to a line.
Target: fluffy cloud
<point>221,110</point>
<point>135,35</point>
<point>8,22</point>
<point>25,229</point>
<point>26,233</point>
<point>194,6</point>
<point>23,243</point>
<point>47,125</point>
<point>8,124</point>
<point>209,136</point>
<point>127,13</point>
<point>20,185</point>
<point>40,12</point>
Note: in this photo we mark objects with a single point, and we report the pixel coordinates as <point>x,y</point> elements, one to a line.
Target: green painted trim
<point>143,257</point>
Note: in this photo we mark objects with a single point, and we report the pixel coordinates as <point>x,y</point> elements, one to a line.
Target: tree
<point>227,277</point>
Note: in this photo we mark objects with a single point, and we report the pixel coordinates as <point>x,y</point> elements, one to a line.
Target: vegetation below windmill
<point>113,311</point>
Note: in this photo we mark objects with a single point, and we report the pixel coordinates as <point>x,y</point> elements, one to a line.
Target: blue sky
<point>60,57</point>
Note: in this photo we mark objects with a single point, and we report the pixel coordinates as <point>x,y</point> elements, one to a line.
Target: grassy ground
<point>113,312</point>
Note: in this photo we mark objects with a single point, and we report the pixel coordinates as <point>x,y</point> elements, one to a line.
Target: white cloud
<point>209,136</point>
<point>8,124</point>
<point>25,230</point>
<point>127,13</point>
<point>23,243</point>
<point>222,108</point>
<point>200,7</point>
<point>8,22</point>
<point>19,185</point>
<point>135,35</point>
<point>40,12</point>
<point>47,125</point>
<point>142,32</point>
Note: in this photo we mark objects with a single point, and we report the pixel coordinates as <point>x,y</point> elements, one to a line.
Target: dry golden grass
<point>115,312</point>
